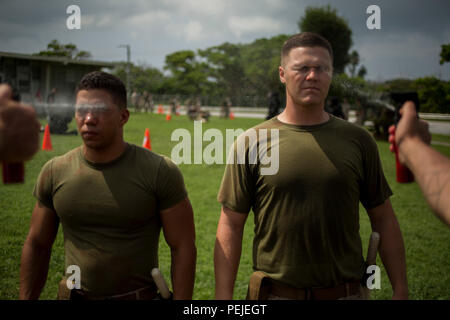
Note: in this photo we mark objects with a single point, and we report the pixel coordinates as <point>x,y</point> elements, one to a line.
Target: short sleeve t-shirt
<point>110,214</point>
<point>307,213</point>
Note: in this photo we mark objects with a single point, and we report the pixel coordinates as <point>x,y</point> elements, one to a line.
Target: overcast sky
<point>408,44</point>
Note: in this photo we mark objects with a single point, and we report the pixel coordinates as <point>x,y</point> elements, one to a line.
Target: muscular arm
<point>36,251</point>
<point>179,232</point>
<point>432,172</point>
<point>227,251</point>
<point>392,249</point>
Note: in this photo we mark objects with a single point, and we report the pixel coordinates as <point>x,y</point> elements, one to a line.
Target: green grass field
<point>427,240</point>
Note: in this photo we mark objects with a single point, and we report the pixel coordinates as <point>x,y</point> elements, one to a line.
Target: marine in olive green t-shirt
<point>110,214</point>
<point>307,214</point>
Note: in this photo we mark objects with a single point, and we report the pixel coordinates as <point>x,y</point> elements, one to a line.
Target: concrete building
<point>47,83</point>
<point>35,76</point>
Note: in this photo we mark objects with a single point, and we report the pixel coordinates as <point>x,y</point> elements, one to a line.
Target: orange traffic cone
<point>47,143</point>
<point>231,115</point>
<point>168,116</point>
<point>147,143</point>
<point>160,109</point>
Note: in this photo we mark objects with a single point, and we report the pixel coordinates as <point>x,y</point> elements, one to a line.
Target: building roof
<point>62,60</point>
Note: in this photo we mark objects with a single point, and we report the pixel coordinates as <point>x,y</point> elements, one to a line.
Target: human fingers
<point>5,92</point>
<point>408,110</point>
<point>392,129</point>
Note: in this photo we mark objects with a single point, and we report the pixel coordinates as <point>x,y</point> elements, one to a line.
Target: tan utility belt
<point>147,293</point>
<point>262,286</point>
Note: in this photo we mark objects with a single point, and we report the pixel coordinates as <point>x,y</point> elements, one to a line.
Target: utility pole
<point>127,68</point>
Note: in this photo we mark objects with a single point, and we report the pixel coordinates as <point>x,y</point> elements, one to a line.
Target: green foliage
<point>326,22</point>
<point>349,88</point>
<point>362,72</point>
<point>225,68</point>
<point>188,76</point>
<point>239,71</point>
<point>445,53</point>
<point>434,95</point>
<point>142,77</point>
<point>398,85</point>
<point>56,49</point>
<point>353,63</point>
<point>261,59</point>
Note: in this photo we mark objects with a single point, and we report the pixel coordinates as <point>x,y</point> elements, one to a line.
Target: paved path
<point>440,143</point>
<point>440,127</point>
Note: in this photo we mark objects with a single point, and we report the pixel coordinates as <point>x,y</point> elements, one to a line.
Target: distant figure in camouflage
<point>274,105</point>
<point>148,104</point>
<point>226,107</point>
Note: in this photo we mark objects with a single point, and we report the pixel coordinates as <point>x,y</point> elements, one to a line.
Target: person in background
<point>19,128</point>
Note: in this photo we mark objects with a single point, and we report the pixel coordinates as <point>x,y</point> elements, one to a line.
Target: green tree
<point>187,75</point>
<point>142,77</point>
<point>362,72</point>
<point>326,22</point>
<point>434,94</point>
<point>70,51</point>
<point>225,69</point>
<point>261,60</point>
<point>398,85</point>
<point>445,53</point>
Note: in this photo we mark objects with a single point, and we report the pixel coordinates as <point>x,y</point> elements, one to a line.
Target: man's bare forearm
<point>227,253</point>
<point>392,253</point>
<point>432,172</point>
<point>183,271</point>
<point>392,248</point>
<point>33,271</point>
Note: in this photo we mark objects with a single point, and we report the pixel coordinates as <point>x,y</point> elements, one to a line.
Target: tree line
<point>247,73</point>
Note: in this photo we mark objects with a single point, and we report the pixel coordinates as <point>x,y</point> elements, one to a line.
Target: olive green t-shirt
<point>110,214</point>
<point>307,214</point>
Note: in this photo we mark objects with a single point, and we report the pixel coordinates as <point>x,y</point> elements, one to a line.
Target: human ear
<point>281,74</point>
<point>124,116</point>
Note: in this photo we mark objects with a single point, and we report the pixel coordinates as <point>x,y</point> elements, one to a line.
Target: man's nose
<point>90,118</point>
<point>312,73</point>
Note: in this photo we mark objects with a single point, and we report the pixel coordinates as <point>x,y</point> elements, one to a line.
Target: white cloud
<point>145,19</point>
<point>97,20</point>
<point>193,31</point>
<point>247,25</point>
<point>104,21</point>
<point>87,20</point>
<point>198,7</point>
<point>400,55</point>
<point>275,4</point>
<point>398,46</point>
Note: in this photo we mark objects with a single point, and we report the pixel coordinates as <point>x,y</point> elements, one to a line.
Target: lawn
<point>427,240</point>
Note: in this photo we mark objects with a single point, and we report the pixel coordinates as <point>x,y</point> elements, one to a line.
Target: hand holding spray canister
<point>404,175</point>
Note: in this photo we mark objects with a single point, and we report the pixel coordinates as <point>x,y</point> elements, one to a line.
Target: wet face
<point>99,120</point>
<point>307,74</point>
